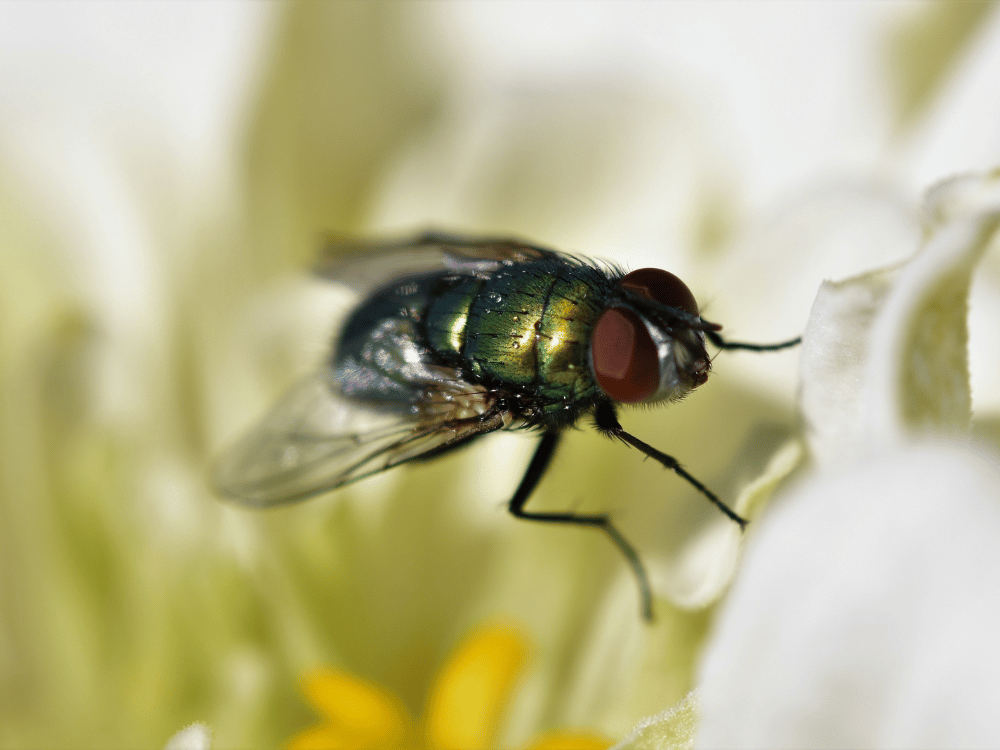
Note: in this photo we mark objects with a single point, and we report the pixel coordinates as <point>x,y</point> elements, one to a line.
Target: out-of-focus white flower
<point>866,610</point>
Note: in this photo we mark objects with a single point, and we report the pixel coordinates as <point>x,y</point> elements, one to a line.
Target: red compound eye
<point>626,364</point>
<point>661,286</point>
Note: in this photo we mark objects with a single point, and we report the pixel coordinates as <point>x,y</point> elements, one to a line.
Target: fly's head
<point>649,343</point>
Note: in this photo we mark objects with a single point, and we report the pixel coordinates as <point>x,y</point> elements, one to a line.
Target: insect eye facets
<point>661,286</point>
<point>626,363</point>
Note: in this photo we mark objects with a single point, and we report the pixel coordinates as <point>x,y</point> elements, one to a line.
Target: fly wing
<point>314,441</point>
<point>367,265</point>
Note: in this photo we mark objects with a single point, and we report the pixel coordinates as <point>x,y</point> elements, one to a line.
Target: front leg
<point>607,424</point>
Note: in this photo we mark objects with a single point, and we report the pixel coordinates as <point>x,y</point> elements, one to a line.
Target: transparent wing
<point>367,265</point>
<point>314,441</point>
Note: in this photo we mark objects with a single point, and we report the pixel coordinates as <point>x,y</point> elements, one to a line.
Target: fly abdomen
<point>380,358</point>
<point>447,319</point>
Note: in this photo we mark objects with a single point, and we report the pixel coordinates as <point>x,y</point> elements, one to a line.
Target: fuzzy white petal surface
<point>865,614</point>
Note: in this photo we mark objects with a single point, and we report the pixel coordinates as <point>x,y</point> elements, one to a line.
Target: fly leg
<point>607,423</point>
<point>539,463</point>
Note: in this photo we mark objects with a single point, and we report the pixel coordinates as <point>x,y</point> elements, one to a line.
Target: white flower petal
<point>917,374</point>
<point>885,352</point>
<point>866,612</point>
<point>835,349</point>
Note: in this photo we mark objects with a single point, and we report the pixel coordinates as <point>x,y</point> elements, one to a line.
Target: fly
<point>460,337</point>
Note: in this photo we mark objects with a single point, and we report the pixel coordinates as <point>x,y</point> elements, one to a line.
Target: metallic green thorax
<point>526,326</point>
<point>521,329</point>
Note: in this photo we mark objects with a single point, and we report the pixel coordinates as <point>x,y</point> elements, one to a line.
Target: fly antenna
<point>720,342</point>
